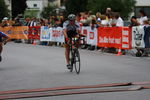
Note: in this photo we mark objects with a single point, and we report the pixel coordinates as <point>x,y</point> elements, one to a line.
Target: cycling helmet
<point>71,17</point>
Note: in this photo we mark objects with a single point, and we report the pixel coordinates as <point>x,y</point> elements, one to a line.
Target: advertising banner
<point>57,34</point>
<point>114,37</point>
<point>138,37</point>
<point>18,32</point>
<point>34,32</point>
<point>45,33</point>
<point>92,36</point>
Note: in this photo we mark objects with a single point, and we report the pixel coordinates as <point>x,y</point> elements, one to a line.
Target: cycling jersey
<point>71,29</point>
<point>2,35</point>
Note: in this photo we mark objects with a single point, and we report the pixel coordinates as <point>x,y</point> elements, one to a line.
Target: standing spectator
<point>112,20</point>
<point>104,22</point>
<point>33,22</point>
<point>98,16</point>
<point>143,17</point>
<point>119,21</point>
<point>98,23</point>
<point>146,22</point>
<point>78,19</point>
<point>134,22</point>
<point>27,21</point>
<point>17,22</point>
<point>84,20</point>
<point>108,12</point>
<point>5,22</point>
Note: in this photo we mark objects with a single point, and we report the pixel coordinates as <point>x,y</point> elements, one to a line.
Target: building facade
<point>8,3</point>
<point>36,4</point>
<point>34,7</point>
<point>40,4</point>
<point>142,4</point>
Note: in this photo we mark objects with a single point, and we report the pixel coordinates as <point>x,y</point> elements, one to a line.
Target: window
<point>146,9</point>
<point>35,5</point>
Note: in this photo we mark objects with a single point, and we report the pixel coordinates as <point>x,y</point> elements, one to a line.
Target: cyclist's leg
<point>67,51</point>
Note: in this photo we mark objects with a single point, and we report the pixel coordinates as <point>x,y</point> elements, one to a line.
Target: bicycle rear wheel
<point>77,63</point>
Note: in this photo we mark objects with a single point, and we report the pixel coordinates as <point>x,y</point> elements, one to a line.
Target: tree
<point>124,7</point>
<point>47,11</point>
<point>76,6</point>
<point>18,7</point>
<point>3,10</point>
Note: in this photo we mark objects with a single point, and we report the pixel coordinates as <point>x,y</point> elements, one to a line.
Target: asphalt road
<point>26,66</point>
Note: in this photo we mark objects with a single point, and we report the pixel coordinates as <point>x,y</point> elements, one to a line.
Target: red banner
<point>34,32</point>
<point>117,37</point>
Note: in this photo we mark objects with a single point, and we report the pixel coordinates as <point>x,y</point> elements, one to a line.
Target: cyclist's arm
<point>6,37</point>
<point>65,29</point>
<point>65,33</point>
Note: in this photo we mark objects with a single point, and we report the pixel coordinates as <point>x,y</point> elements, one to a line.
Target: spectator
<point>84,20</point>
<point>57,22</point>
<point>78,19</point>
<point>119,21</point>
<point>98,16</point>
<point>33,22</point>
<point>112,20</point>
<point>146,22</point>
<point>5,22</point>
<point>134,21</point>
<point>108,12</point>
<point>17,22</point>
<point>27,21</point>
<point>143,17</point>
<point>93,24</point>
<point>98,23</point>
<point>90,17</point>
<point>104,22</point>
<point>42,22</point>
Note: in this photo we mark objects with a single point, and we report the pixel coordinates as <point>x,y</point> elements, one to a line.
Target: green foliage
<point>76,6</point>
<point>3,10</point>
<point>47,11</point>
<point>124,7</point>
<point>18,7</point>
<point>31,13</point>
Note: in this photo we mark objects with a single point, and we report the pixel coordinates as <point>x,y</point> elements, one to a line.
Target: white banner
<point>85,31</point>
<point>57,35</point>
<point>138,37</point>
<point>92,36</point>
<point>45,33</point>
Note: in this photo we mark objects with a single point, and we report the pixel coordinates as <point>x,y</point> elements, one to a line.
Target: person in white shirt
<point>143,17</point>
<point>33,22</point>
<point>119,21</point>
<point>104,22</point>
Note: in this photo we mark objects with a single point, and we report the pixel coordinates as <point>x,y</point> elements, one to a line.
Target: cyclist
<point>71,29</point>
<point>3,40</point>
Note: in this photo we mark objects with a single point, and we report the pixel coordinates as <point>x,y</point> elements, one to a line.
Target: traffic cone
<point>34,42</point>
<point>119,52</point>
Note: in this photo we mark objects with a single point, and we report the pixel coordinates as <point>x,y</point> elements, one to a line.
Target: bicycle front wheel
<point>71,60</point>
<point>77,63</point>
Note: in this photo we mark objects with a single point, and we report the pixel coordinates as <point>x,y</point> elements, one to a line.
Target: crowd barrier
<point>20,32</point>
<point>116,37</point>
